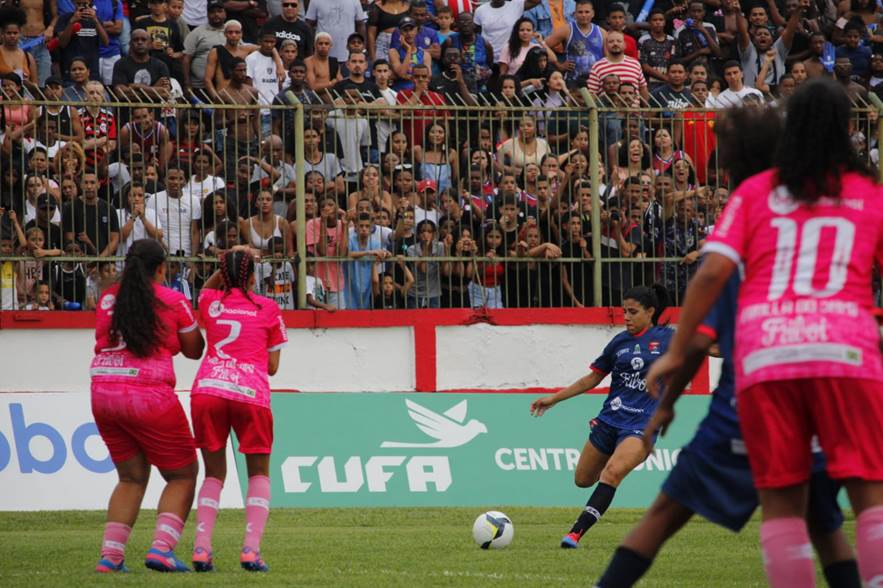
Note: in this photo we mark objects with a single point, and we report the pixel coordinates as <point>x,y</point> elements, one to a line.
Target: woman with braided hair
<point>139,326</point>
<point>245,334</point>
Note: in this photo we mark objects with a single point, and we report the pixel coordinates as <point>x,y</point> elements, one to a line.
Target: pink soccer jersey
<point>113,364</point>
<point>805,303</point>
<point>240,333</point>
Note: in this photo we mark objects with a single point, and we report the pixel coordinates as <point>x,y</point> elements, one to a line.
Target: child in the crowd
<point>176,277</point>
<point>8,294</point>
<point>275,277</point>
<point>69,279</point>
<point>315,288</point>
<point>31,271</point>
<point>392,295</point>
<point>41,298</point>
<point>484,289</point>
<point>99,279</point>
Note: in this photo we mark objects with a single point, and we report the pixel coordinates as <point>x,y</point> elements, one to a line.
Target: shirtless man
<point>37,33</point>
<point>222,56</point>
<point>241,124</point>
<point>813,64</point>
<point>323,72</point>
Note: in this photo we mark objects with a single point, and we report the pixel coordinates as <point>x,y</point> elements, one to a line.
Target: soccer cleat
<point>202,560</point>
<point>251,561</point>
<point>105,566</point>
<point>571,541</point>
<point>164,561</point>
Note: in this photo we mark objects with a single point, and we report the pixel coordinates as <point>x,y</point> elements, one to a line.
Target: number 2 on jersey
<point>235,330</point>
<point>803,242</point>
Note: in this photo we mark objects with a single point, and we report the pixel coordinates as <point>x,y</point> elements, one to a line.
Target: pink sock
<point>168,531</point>
<point>207,512</point>
<point>257,509</point>
<point>113,547</point>
<point>869,544</point>
<point>787,553</point>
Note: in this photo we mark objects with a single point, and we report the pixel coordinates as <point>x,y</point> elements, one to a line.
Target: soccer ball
<point>493,530</point>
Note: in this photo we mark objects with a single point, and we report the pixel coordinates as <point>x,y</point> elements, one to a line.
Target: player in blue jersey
<point>712,476</point>
<point>615,445</point>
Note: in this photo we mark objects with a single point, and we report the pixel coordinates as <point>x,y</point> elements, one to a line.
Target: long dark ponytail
<point>655,297</point>
<point>135,319</point>
<point>237,267</point>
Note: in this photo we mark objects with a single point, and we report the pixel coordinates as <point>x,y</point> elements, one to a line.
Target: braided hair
<point>237,267</point>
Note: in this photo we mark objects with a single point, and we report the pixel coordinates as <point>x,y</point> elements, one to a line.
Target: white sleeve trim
<point>277,347</point>
<point>195,325</point>
<point>723,249</point>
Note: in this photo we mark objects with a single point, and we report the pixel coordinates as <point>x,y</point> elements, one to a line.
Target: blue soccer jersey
<point>720,428</point>
<point>627,359</point>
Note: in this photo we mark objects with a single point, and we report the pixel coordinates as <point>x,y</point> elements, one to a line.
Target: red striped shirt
<point>628,70</point>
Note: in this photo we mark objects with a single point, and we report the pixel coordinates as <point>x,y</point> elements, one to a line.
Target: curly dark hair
<point>815,150</point>
<point>747,139</point>
<point>135,320</point>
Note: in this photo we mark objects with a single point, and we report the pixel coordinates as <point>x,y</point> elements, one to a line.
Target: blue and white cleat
<point>570,541</point>
<point>251,561</point>
<point>164,561</point>
<point>202,560</point>
<point>105,566</point>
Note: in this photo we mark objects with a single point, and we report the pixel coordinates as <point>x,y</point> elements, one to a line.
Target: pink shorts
<point>148,420</point>
<point>213,417</point>
<point>779,419</point>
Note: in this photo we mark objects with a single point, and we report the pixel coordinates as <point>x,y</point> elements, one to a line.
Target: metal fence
<point>548,200</point>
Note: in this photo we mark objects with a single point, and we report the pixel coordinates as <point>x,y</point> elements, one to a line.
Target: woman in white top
<point>525,147</point>
<point>134,224</point>
<point>260,229</point>
<point>521,40</point>
<point>202,183</point>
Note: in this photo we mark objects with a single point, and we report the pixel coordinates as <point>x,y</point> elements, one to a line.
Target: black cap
<point>53,80</point>
<point>407,22</point>
<point>44,200</point>
<point>215,4</point>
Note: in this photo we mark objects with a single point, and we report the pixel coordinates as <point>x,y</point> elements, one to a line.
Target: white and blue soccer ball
<point>493,530</point>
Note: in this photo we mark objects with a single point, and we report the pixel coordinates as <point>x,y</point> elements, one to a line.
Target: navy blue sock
<point>843,574</point>
<point>624,569</point>
<point>597,505</point>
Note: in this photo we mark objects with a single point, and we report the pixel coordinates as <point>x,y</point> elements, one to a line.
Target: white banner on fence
<point>52,458</point>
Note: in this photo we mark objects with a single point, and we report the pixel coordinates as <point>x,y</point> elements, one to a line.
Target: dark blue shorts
<point>721,490</point>
<point>717,485</point>
<point>606,437</point>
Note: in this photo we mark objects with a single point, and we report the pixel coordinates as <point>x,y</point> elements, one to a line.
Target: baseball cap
<point>53,80</point>
<point>215,5</point>
<point>44,200</point>
<point>424,185</point>
<point>407,22</point>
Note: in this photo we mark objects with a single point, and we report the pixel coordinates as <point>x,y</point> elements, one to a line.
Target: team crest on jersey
<point>654,347</point>
<point>215,309</point>
<point>637,350</point>
<point>637,363</point>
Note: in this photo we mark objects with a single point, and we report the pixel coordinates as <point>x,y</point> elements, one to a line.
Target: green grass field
<point>380,547</point>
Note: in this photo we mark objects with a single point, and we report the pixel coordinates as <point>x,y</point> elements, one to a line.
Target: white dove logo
<point>448,428</point>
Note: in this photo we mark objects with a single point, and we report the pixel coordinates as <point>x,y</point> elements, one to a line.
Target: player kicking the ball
<point>615,446</point>
<point>809,233</point>
<point>245,333</point>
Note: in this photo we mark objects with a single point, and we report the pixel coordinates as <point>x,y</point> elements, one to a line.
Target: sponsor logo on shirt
<point>637,363</point>
<point>654,347</point>
<point>215,309</point>
<point>637,350</point>
<point>616,404</point>
<point>622,351</point>
<point>108,301</point>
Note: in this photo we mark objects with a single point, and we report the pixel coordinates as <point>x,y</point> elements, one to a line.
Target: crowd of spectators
<point>449,129</point>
